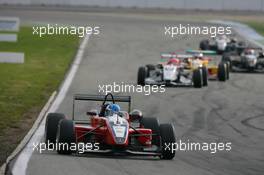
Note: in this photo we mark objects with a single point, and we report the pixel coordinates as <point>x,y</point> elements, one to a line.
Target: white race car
<point>173,72</point>
<point>221,44</point>
<point>250,60</point>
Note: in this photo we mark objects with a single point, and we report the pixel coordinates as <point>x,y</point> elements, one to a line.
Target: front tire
<point>205,79</point>
<point>66,136</point>
<point>51,126</point>
<point>226,59</point>
<point>197,78</point>
<point>227,70</point>
<point>142,74</point>
<point>167,138</point>
<point>222,72</point>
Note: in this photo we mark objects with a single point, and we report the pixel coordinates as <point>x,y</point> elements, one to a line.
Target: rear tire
<point>167,138</point>
<point>226,59</point>
<point>205,79</point>
<point>153,124</point>
<point>66,136</point>
<point>51,126</point>
<point>204,45</point>
<point>227,70</point>
<point>222,72</point>
<point>142,74</point>
<point>197,78</point>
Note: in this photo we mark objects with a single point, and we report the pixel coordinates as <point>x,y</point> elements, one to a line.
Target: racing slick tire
<point>150,67</point>
<point>167,139</point>
<point>197,78</point>
<point>226,59</point>
<point>204,45</point>
<point>153,124</point>
<point>142,74</point>
<point>227,70</point>
<point>205,79</point>
<point>65,136</point>
<point>222,72</point>
<point>51,126</point>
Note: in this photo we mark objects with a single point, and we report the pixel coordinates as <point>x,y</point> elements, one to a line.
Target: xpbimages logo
<point>73,147</point>
<point>212,147</point>
<point>130,88</point>
<point>213,31</point>
<point>80,31</point>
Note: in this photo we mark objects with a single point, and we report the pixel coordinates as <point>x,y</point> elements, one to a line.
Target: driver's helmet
<point>250,52</point>
<point>112,109</point>
<point>174,61</point>
<point>198,55</point>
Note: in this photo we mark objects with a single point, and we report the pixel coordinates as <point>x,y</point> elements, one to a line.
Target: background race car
<point>216,69</point>
<point>222,44</point>
<point>250,60</point>
<point>171,71</point>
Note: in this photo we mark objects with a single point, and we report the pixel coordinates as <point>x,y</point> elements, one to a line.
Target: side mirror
<point>92,113</point>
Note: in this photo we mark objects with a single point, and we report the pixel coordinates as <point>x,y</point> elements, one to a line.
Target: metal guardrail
<point>10,24</point>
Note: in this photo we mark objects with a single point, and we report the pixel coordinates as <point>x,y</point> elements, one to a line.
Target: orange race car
<point>217,70</point>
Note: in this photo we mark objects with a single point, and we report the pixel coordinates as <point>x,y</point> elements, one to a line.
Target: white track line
<point>22,160</point>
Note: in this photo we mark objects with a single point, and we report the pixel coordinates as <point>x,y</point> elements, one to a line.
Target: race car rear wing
<point>205,52</point>
<point>117,98</point>
<point>174,55</point>
<point>167,56</point>
<point>103,98</point>
<point>254,48</point>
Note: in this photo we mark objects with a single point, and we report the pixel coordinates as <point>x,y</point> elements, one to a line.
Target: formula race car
<point>172,72</point>
<point>216,69</point>
<point>250,60</point>
<point>222,44</point>
<point>115,131</point>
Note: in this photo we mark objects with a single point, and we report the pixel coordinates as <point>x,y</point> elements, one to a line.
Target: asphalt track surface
<point>222,112</point>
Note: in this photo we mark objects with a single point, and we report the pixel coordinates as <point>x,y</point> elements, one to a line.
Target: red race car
<point>110,130</point>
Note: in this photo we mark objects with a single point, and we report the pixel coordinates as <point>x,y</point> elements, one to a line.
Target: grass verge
<point>24,88</point>
<point>258,26</point>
